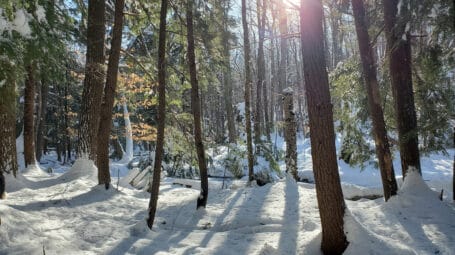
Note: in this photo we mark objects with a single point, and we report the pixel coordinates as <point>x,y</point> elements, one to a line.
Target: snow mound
<point>82,168</point>
<point>268,250</point>
<point>14,184</point>
<point>33,170</point>
<point>363,241</point>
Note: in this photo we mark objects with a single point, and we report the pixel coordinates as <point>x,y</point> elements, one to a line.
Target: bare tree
<point>328,188</point>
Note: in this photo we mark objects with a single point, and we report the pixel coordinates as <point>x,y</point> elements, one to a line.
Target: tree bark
<point>227,79</point>
<point>374,101</point>
<point>92,94</point>
<point>282,69</point>
<point>248,85</point>
<point>258,116</point>
<point>29,110</point>
<point>42,120</point>
<point>196,108</point>
<point>290,133</point>
<point>399,49</point>
<point>104,131</point>
<point>328,188</point>
<point>159,150</point>
<point>8,155</point>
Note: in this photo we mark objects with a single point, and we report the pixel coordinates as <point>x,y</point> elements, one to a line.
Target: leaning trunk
<point>159,151</point>
<point>104,131</point>
<point>196,108</point>
<point>374,101</point>
<point>328,188</point>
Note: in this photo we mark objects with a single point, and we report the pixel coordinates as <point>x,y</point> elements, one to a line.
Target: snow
<point>20,23</point>
<point>67,211</point>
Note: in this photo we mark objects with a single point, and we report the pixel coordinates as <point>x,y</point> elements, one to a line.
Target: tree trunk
<point>196,108</point>
<point>42,120</point>
<point>282,69</point>
<point>8,155</point>
<point>104,131</point>
<point>399,48</point>
<point>159,151</point>
<point>290,133</point>
<point>29,110</point>
<point>374,101</point>
<point>227,79</point>
<point>266,126</point>
<point>92,94</point>
<point>248,85</point>
<point>328,188</point>
<point>261,76</point>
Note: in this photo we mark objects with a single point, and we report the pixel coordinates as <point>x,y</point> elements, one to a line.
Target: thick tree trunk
<point>42,120</point>
<point>399,49</point>
<point>29,110</point>
<point>159,151</point>
<point>104,131</point>
<point>8,155</point>
<point>248,85</point>
<point>196,108</point>
<point>328,188</point>
<point>290,133</point>
<point>92,94</point>
<point>374,101</point>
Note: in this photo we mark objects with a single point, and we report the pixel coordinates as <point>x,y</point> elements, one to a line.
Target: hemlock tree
<point>102,160</point>
<point>258,113</point>
<point>159,151</point>
<point>328,188</point>
<point>248,83</point>
<point>399,53</point>
<point>92,94</point>
<point>374,101</point>
<point>29,110</point>
<point>290,133</point>
<point>196,108</point>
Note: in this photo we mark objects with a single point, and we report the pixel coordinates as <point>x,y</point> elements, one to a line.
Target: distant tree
<point>196,108</point>
<point>104,131</point>
<point>29,111</point>
<point>247,96</point>
<point>259,111</point>
<point>328,188</point>
<point>89,116</point>
<point>374,101</point>
<point>282,67</point>
<point>400,61</point>
<point>159,151</point>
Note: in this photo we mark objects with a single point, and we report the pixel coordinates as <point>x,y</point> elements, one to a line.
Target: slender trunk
<point>159,149</point>
<point>290,133</point>
<point>399,49</point>
<point>328,188</point>
<point>66,124</point>
<point>42,120</point>
<point>29,110</point>
<point>248,85</point>
<point>374,101</point>
<point>196,108</point>
<point>258,118</point>
<point>282,69</point>
<point>92,94</point>
<point>104,130</point>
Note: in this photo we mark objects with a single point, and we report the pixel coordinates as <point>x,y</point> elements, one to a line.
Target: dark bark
<point>159,149</point>
<point>399,49</point>
<point>248,85</point>
<point>258,116</point>
<point>92,94</point>
<point>42,120</point>
<point>374,101</point>
<point>29,110</point>
<point>290,133</point>
<point>104,131</point>
<point>196,108</point>
<point>328,188</point>
<point>8,156</point>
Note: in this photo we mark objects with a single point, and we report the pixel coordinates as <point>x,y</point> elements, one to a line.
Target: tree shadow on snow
<point>289,233</point>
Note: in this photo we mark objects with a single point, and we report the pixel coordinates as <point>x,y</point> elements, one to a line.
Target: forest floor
<point>66,212</point>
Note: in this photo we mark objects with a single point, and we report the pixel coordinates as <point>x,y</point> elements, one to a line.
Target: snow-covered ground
<point>66,212</point>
